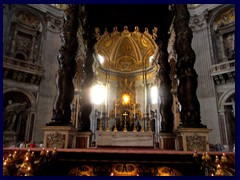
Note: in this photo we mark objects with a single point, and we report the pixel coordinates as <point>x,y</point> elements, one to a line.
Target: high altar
<point>127,87</point>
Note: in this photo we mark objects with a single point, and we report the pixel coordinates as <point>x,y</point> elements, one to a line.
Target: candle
<point>134,112</point>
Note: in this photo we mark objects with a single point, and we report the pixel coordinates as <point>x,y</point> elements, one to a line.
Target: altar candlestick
<point>100,111</point>
<point>149,109</point>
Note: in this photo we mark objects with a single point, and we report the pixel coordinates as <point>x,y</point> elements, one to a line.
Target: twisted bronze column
<point>190,107</point>
<point>67,67</point>
<point>85,101</point>
<point>165,87</point>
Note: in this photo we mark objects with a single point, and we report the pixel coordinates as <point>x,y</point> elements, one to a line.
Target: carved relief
<point>26,31</point>
<point>56,140</point>
<point>196,142</point>
<point>23,44</point>
<point>28,19</point>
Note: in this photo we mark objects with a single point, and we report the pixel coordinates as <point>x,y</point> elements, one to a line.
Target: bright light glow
<point>101,59</point>
<point>98,94</point>
<point>154,94</point>
<point>151,58</point>
<point>125,99</point>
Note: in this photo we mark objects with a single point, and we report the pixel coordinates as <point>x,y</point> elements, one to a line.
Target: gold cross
<point>125,114</point>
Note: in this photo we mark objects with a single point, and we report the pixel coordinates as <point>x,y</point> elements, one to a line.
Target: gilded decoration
<point>84,170</point>
<point>126,51</point>
<point>167,171</point>
<point>224,19</point>
<point>124,170</point>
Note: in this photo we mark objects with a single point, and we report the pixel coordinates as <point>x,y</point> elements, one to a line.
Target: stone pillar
<point>223,130</point>
<point>190,107</point>
<point>13,48</point>
<point>67,67</point>
<point>85,101</point>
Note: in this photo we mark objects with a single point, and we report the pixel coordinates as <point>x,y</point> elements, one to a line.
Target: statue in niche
<point>229,46</point>
<point>11,114</point>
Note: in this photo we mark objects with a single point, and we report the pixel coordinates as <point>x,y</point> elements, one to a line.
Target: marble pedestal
<point>9,138</point>
<point>167,141</point>
<point>65,137</point>
<point>125,139</point>
<point>59,136</point>
<point>191,139</point>
<point>82,139</point>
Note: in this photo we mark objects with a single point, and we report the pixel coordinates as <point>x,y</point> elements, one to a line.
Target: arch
<point>42,24</point>
<point>224,97</point>
<point>20,56</point>
<point>29,95</point>
<point>217,45</point>
<point>18,9</point>
<point>218,12</point>
<point>21,124</point>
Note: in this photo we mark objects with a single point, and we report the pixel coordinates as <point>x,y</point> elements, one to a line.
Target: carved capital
<point>198,22</point>
<point>54,24</point>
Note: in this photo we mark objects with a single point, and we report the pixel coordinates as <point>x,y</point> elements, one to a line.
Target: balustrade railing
<point>224,67</point>
<point>19,64</point>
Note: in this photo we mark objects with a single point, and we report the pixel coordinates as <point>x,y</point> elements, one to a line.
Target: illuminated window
<point>98,94</point>
<point>154,94</point>
<point>125,99</point>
